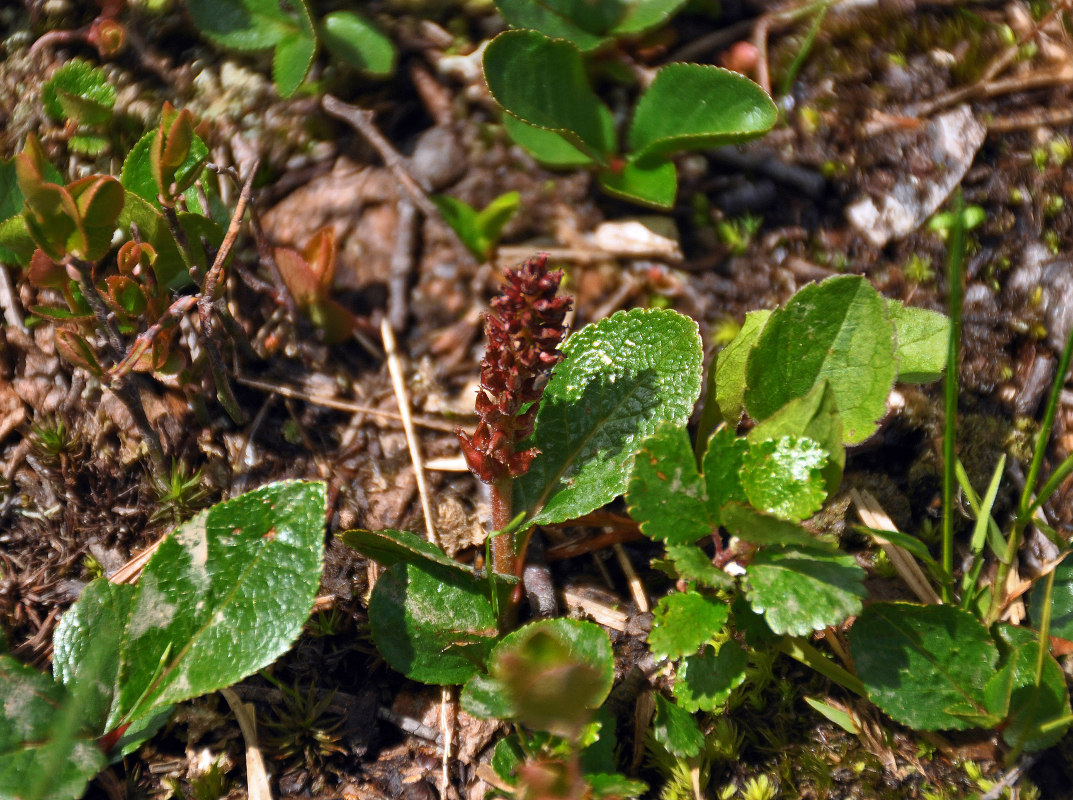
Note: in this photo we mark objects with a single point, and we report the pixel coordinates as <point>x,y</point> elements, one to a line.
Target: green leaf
<point>16,244</point>
<point>10,196</point>
<point>922,339</point>
<point>653,183</point>
<point>430,623</point>
<point>683,621</point>
<point>696,106</point>
<point>42,754</point>
<point>816,416</point>
<point>620,378</point>
<point>722,465</point>
<point>554,673</point>
<point>1061,601</point>
<point>641,15</point>
<point>666,495</point>
<point>578,21</point>
<point>494,216</point>
<point>724,394</point>
<point>675,729</point>
<point>548,147</point>
<point>242,24</point>
<point>137,173</point>
<point>292,60</point>
<point>80,92</point>
<point>837,331</point>
<point>1029,708</point>
<point>705,681</point>
<point>800,590</point>
<point>223,596</point>
<point>484,697</point>
<point>693,564</point>
<point>754,526</point>
<point>98,618</point>
<point>542,81</point>
<point>478,231</point>
<point>924,666</point>
<point>784,476</point>
<point>356,41</point>
<point>169,268</point>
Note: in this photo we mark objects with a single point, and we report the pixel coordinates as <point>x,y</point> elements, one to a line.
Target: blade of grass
<point>984,521</point>
<point>955,270</point>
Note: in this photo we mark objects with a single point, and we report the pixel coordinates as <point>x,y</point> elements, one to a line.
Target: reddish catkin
<point>524,329</point>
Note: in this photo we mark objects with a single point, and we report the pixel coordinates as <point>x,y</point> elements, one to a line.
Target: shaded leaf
<point>357,42</point>
<point>924,666</point>
<point>548,147</point>
<point>292,60</point>
<point>675,729</point>
<point>431,624</point>
<point>705,680</point>
<point>693,564</point>
<point>724,395</point>
<point>652,183</point>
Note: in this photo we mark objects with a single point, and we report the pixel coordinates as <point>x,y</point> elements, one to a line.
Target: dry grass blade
<point>256,774</point>
<point>873,515</point>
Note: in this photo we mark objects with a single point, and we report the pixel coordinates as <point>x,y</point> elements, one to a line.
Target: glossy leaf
<point>683,621</point>
<point>722,464</point>
<point>799,590</point>
<point>697,106</point>
<point>784,476</point>
<point>542,81</point>
<point>816,416</point>
<point>675,729</point>
<point>838,331</point>
<point>432,624</point>
<point>922,342</point>
<point>652,183</point>
<point>223,596</point>
<point>641,15</point>
<point>620,379</point>
<point>583,23</point>
<point>705,680</point>
<point>666,494</point>
<point>357,42</point>
<point>924,666</point>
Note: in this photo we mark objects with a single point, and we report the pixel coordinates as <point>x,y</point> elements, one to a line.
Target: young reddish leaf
<point>75,349</point>
<point>125,295</point>
<point>99,199</point>
<point>50,212</point>
<point>320,254</point>
<point>297,276</point>
<point>132,256</point>
<point>44,273</point>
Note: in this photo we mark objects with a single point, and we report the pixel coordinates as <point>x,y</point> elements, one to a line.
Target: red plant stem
<point>503,545</point>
